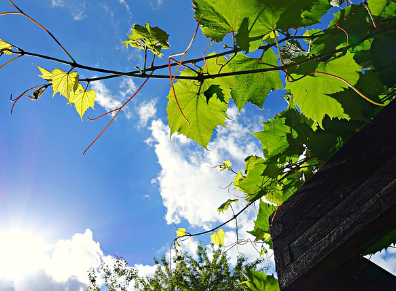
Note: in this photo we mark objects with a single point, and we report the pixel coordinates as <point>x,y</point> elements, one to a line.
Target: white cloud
<point>146,111</point>
<point>386,259</point>
<point>104,97</point>
<point>108,101</point>
<point>57,3</point>
<point>190,188</point>
<point>128,87</point>
<point>64,268</point>
<point>123,2</point>
<point>74,257</point>
<point>77,8</point>
<point>145,270</point>
<point>156,4</point>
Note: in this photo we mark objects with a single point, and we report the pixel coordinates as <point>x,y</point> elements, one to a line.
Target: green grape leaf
<point>181,232</point>
<point>223,207</point>
<point>274,137</point>
<point>214,89</point>
<point>64,83</point>
<point>5,47</point>
<point>262,220</point>
<point>382,244</point>
<point>151,38</point>
<point>46,75</point>
<point>251,161</point>
<point>382,57</point>
<point>254,181</point>
<point>312,93</point>
<point>252,88</point>
<point>225,166</point>
<point>203,116</point>
<point>377,6</point>
<point>82,100</point>
<point>259,281</point>
<point>220,17</point>
<point>355,28</point>
<point>218,237</point>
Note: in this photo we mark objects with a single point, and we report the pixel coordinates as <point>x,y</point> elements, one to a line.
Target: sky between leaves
<point>124,197</point>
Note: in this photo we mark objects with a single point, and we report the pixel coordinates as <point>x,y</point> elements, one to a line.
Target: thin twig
<point>42,27</point>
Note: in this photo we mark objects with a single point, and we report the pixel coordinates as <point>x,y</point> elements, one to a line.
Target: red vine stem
<point>346,33</point>
<point>118,111</point>
<point>20,96</point>
<point>178,67</point>
<point>10,61</point>
<point>39,25</point>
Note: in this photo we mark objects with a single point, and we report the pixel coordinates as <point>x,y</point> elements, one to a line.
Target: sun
<point>21,253</point>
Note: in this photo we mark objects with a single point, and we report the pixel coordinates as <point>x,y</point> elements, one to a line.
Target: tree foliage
<point>336,78</point>
<point>210,270</point>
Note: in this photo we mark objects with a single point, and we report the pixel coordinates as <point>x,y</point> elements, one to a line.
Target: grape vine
<point>337,78</point>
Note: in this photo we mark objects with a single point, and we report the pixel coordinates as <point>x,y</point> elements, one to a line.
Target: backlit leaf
<point>151,38</point>
<point>252,88</point>
<point>273,137</point>
<point>46,75</point>
<point>312,93</point>
<point>181,232</point>
<point>82,100</point>
<point>5,47</point>
<point>203,116</point>
<point>64,83</point>
<point>225,166</point>
<point>223,207</point>
<point>218,237</point>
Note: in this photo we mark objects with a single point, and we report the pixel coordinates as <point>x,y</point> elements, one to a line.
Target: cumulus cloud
<point>74,257</point>
<point>29,266</point>
<point>146,111</point>
<point>386,259</point>
<point>190,188</point>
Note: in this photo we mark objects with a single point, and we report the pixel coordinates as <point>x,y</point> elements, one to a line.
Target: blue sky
<point>126,194</point>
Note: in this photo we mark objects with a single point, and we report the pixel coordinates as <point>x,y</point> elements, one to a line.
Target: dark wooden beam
<point>342,210</point>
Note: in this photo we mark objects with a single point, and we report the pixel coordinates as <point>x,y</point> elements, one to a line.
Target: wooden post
<point>342,210</point>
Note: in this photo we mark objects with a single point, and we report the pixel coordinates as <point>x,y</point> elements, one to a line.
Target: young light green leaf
<point>218,237</point>
<point>225,166</point>
<point>82,100</point>
<point>151,38</point>
<point>223,207</point>
<point>46,75</point>
<point>312,93</point>
<point>5,47</point>
<point>237,180</point>
<point>203,116</point>
<point>181,232</point>
<point>64,83</point>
